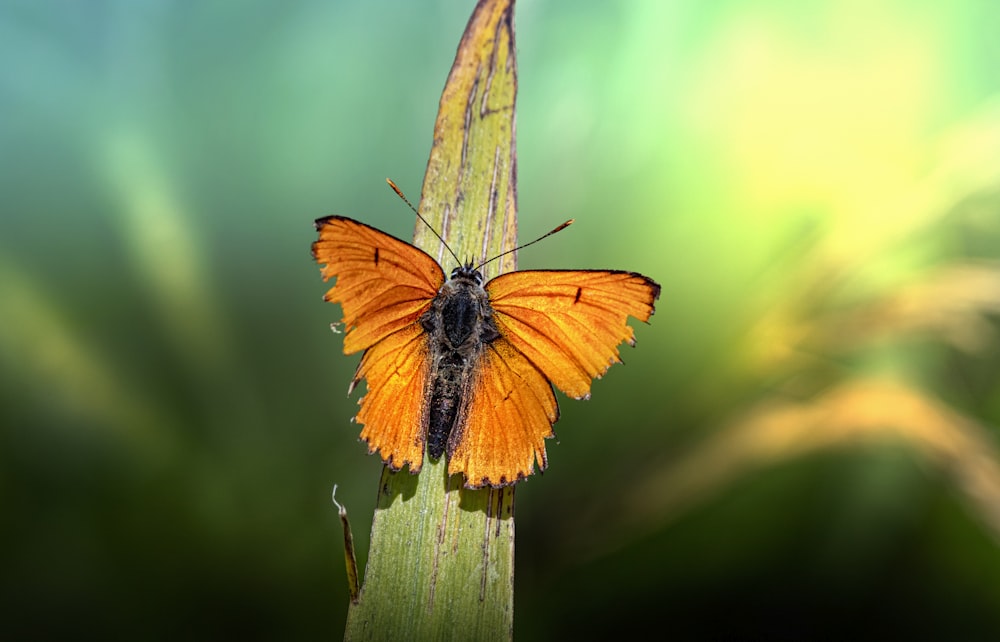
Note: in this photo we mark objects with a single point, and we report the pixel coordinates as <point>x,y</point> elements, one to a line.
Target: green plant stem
<point>441,561</point>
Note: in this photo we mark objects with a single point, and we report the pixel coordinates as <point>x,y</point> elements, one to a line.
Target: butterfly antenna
<point>520,247</point>
<point>400,194</point>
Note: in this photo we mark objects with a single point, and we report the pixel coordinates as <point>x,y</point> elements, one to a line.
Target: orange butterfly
<point>457,367</point>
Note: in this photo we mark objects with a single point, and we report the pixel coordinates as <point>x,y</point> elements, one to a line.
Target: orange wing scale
<point>570,323</point>
<point>384,285</point>
<point>510,414</point>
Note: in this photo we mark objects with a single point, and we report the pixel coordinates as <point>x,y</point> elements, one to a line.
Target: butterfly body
<point>459,327</point>
<point>465,369</point>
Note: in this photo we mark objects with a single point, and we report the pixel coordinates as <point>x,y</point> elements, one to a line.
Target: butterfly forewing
<point>570,323</point>
<point>383,283</point>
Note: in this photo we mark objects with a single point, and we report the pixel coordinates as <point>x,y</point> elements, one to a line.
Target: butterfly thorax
<point>459,327</point>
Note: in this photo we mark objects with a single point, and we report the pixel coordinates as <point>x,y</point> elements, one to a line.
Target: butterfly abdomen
<point>459,325</point>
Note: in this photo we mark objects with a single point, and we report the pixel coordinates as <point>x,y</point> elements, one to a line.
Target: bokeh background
<point>803,444</point>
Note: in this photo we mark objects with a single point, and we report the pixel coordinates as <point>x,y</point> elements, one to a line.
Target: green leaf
<point>441,562</point>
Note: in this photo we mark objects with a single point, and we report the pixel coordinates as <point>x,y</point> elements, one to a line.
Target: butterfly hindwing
<point>393,411</point>
<point>509,415</point>
<point>383,285</point>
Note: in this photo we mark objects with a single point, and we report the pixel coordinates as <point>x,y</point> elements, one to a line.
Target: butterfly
<point>465,369</point>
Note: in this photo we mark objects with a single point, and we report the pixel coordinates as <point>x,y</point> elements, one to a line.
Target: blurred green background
<point>804,443</point>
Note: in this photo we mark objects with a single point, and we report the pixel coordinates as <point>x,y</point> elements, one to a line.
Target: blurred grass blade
<point>951,302</point>
<point>856,413</point>
<point>40,345</point>
<point>165,250</point>
<point>441,563</point>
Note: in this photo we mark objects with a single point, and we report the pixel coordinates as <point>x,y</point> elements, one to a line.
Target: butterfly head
<point>469,273</point>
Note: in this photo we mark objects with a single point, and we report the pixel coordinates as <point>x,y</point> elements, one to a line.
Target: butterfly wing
<point>392,411</point>
<point>509,415</point>
<point>570,323</point>
<point>562,327</point>
<point>383,285</point>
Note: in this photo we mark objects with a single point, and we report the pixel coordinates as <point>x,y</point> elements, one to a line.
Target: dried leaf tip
<point>350,560</point>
